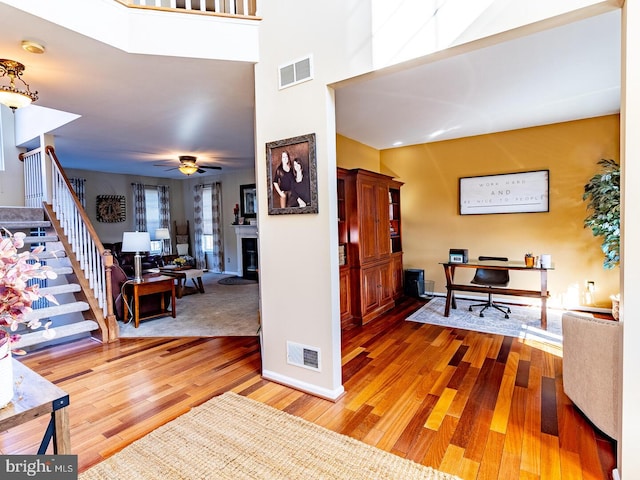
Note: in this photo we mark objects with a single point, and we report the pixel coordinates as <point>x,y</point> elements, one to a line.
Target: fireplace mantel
<point>243,231</point>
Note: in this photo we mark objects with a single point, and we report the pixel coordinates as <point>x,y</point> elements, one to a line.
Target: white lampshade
<point>136,242</point>
<point>162,234</point>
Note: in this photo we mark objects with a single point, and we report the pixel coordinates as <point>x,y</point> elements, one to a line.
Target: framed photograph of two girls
<point>292,183</point>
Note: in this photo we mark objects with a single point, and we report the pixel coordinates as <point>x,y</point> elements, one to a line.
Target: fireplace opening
<point>250,258</point>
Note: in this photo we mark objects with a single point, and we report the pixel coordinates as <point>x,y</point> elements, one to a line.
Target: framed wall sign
<point>292,183</point>
<point>526,192</point>
<point>111,208</point>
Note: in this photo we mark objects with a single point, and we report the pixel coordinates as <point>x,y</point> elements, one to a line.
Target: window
<point>152,205</point>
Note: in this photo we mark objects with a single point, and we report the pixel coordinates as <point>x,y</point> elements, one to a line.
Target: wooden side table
<point>36,396</point>
<point>149,285</point>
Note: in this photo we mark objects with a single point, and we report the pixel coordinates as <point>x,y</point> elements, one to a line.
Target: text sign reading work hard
<point>506,193</point>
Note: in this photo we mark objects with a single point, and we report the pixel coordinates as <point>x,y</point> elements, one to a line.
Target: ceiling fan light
<point>188,169</point>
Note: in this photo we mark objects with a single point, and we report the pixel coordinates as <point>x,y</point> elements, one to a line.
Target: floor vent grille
<point>303,356</point>
<point>296,72</point>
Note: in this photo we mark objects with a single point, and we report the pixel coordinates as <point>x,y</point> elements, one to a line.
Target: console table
<point>542,294</point>
<point>148,285</point>
<point>36,396</point>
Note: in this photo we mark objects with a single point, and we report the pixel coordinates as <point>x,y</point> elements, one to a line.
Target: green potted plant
<point>603,194</point>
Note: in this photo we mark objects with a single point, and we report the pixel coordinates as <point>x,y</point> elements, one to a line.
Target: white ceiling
<point>140,110</point>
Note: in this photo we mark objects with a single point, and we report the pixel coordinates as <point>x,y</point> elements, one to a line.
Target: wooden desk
<point>149,285</point>
<point>36,396</point>
<point>542,294</point>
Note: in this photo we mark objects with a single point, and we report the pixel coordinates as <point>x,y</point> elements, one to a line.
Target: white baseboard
<point>332,395</point>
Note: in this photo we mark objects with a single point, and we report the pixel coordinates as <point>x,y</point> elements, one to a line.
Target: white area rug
<point>523,322</point>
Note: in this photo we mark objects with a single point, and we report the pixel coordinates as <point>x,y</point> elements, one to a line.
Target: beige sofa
<point>591,368</point>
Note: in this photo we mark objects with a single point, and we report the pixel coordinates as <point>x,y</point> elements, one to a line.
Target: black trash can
<point>414,282</point>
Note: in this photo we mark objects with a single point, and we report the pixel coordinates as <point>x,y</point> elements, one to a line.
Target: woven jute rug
<point>233,437</point>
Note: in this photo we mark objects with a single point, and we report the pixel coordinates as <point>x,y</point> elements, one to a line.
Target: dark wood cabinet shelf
<point>369,228</point>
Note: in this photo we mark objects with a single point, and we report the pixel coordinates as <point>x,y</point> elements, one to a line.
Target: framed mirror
<point>248,201</point>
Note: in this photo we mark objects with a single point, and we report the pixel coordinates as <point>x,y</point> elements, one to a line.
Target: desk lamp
<point>136,242</point>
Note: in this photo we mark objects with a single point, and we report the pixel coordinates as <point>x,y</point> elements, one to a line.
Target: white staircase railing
<point>246,8</point>
<point>46,183</point>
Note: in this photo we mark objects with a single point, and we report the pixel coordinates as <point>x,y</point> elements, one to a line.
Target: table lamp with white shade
<point>163,234</point>
<point>136,242</point>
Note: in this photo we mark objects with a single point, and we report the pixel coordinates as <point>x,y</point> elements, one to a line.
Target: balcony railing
<point>236,8</point>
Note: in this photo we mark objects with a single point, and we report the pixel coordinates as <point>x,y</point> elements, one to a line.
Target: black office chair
<point>489,277</point>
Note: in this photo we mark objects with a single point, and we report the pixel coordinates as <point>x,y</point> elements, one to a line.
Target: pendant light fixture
<point>11,95</point>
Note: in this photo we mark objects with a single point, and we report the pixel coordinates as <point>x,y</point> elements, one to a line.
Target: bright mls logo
<point>51,467</point>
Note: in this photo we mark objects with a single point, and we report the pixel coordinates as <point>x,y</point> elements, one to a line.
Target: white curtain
<point>202,226</point>
<point>198,231</point>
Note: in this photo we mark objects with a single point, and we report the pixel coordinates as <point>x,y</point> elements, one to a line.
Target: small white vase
<point>6,371</point>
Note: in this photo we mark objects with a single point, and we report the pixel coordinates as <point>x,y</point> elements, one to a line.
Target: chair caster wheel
<point>470,309</point>
<point>508,310</point>
<point>506,316</point>
<point>482,315</point>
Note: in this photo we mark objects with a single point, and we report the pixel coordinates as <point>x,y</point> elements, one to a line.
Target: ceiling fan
<point>188,165</point>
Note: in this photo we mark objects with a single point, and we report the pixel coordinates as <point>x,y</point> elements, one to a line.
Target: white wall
<point>181,202</point>
<point>298,253</point>
<point>628,458</point>
<point>11,178</point>
<point>99,183</point>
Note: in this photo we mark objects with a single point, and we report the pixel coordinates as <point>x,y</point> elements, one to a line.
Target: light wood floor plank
<point>466,387</point>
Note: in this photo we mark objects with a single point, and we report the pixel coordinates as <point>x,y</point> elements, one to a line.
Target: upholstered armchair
<point>591,368</point>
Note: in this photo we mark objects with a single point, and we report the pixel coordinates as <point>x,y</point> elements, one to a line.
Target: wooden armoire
<point>370,243</point>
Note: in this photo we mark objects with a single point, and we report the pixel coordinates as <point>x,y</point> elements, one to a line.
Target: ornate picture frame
<point>292,185</point>
<point>111,208</point>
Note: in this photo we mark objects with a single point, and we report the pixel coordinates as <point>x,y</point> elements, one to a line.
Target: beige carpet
<point>222,311</point>
<point>233,437</point>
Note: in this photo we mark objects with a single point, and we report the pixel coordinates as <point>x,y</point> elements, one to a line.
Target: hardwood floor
<point>476,405</point>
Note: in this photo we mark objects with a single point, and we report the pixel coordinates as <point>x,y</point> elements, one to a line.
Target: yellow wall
<point>352,154</point>
<point>431,223</point>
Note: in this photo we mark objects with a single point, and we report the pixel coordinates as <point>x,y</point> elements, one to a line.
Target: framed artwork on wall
<point>292,183</point>
<point>111,208</point>
<point>526,192</point>
<point>248,201</point>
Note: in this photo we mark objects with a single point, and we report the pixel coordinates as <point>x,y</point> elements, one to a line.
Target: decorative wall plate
<point>111,208</point>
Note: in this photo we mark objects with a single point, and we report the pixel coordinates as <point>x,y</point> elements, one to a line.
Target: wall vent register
<point>303,356</point>
<point>296,72</point>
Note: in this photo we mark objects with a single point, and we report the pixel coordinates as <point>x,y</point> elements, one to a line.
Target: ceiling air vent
<point>296,72</point>
<point>303,356</point>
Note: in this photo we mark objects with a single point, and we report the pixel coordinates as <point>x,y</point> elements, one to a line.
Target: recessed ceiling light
<point>32,47</point>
